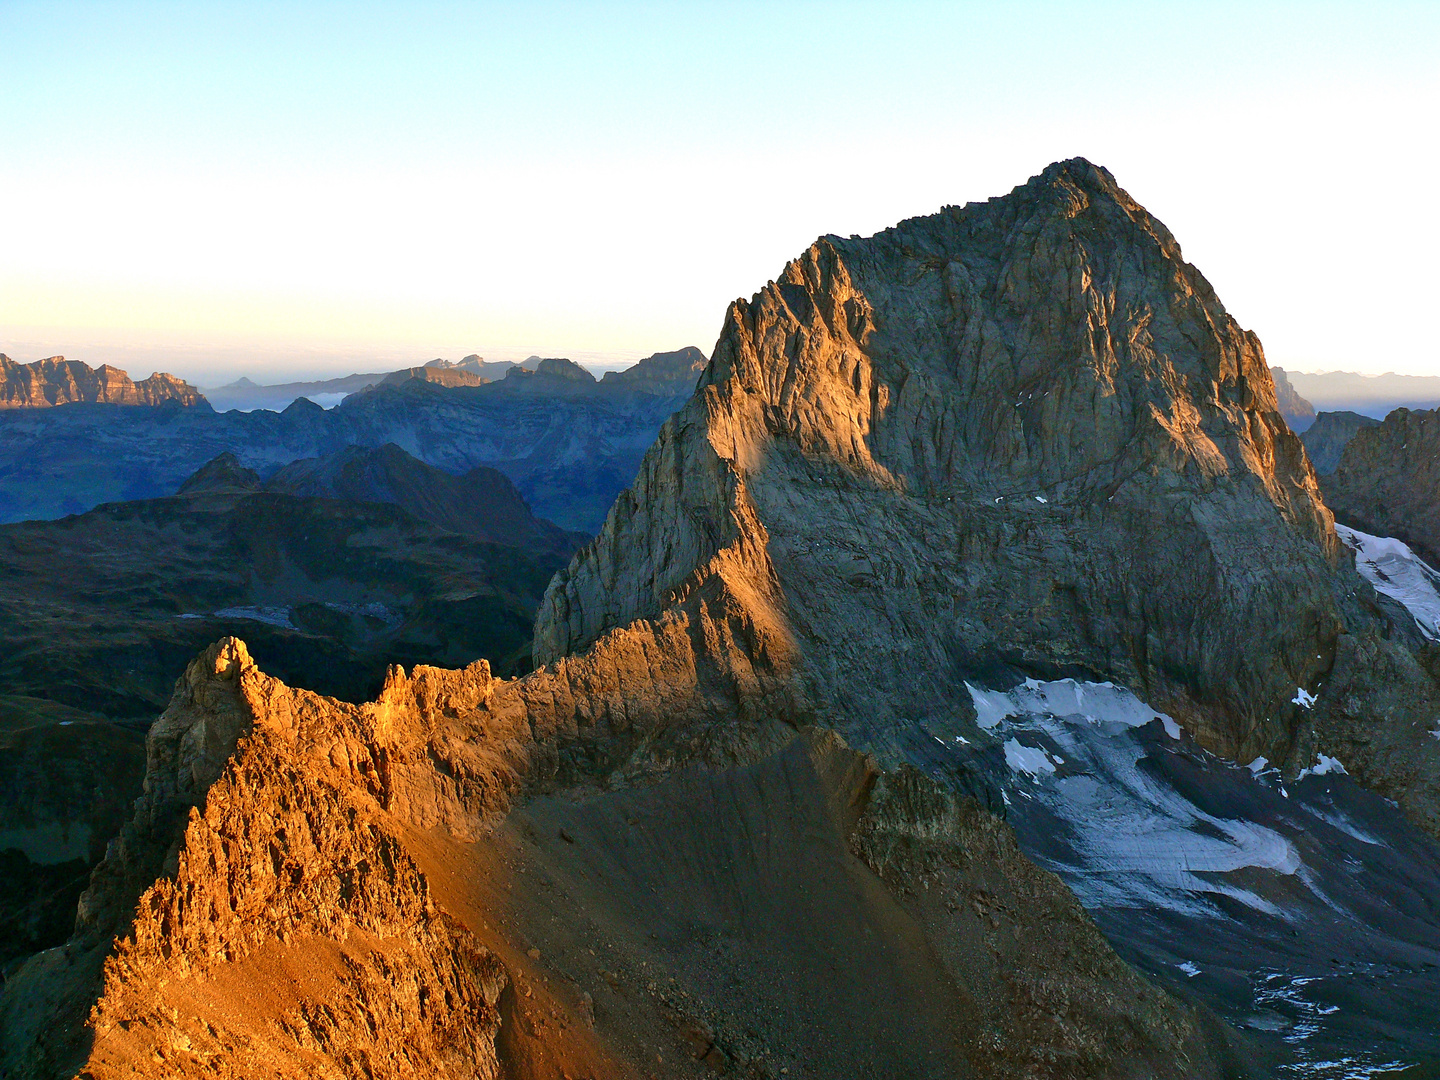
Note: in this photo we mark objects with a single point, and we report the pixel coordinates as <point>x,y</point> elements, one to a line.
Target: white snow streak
<point>1397,572</point>
<point>1139,841</point>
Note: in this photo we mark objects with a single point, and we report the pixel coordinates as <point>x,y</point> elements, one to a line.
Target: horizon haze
<point>299,192</point>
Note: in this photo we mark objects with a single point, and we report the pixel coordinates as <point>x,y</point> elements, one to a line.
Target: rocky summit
<point>1021,436</point>
<point>57,381</point>
<point>747,817</point>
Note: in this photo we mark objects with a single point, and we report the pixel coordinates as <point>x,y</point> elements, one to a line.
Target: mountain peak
<point>892,415</point>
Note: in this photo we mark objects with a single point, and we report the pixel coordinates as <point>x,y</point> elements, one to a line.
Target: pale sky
<point>285,190</point>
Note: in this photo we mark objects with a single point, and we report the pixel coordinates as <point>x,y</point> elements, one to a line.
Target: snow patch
<point>1397,572</point>
<point>272,616</point>
<point>1258,765</point>
<point>1067,698</point>
<point>1302,698</point>
<point>992,706</point>
<point>1027,759</point>
<point>1135,840</point>
<point>1189,968</point>
<point>1041,499</point>
<point>1323,766</point>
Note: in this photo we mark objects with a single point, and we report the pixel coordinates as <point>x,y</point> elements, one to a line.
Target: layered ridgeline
<point>570,443</point>
<point>334,570</point>
<point>57,381</point>
<point>1018,438</point>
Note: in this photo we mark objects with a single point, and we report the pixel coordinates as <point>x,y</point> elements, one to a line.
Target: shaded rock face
<point>224,475</point>
<point>1298,412</point>
<point>561,368</point>
<point>550,374</point>
<point>481,503</point>
<point>57,381</point>
<point>1387,480</point>
<point>1021,435</point>
<point>1325,440</point>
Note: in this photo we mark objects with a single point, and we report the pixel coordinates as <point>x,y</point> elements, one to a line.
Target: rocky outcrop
<point>1298,412</point>
<point>1387,481</point>
<point>1325,440</point>
<point>1018,438</point>
<point>57,381</point>
<point>253,830</point>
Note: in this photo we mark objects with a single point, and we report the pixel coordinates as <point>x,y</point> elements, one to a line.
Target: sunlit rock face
<point>1023,430</point>
<point>57,381</point>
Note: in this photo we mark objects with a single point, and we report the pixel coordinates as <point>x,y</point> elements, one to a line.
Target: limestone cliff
<point>443,376</point>
<point>662,373</point>
<point>57,381</point>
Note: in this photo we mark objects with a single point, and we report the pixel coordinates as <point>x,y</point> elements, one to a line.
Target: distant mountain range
<point>245,395</point>
<point>568,441</point>
<point>1349,391</point>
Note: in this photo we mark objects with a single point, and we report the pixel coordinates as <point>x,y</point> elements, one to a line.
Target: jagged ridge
<point>57,381</point>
